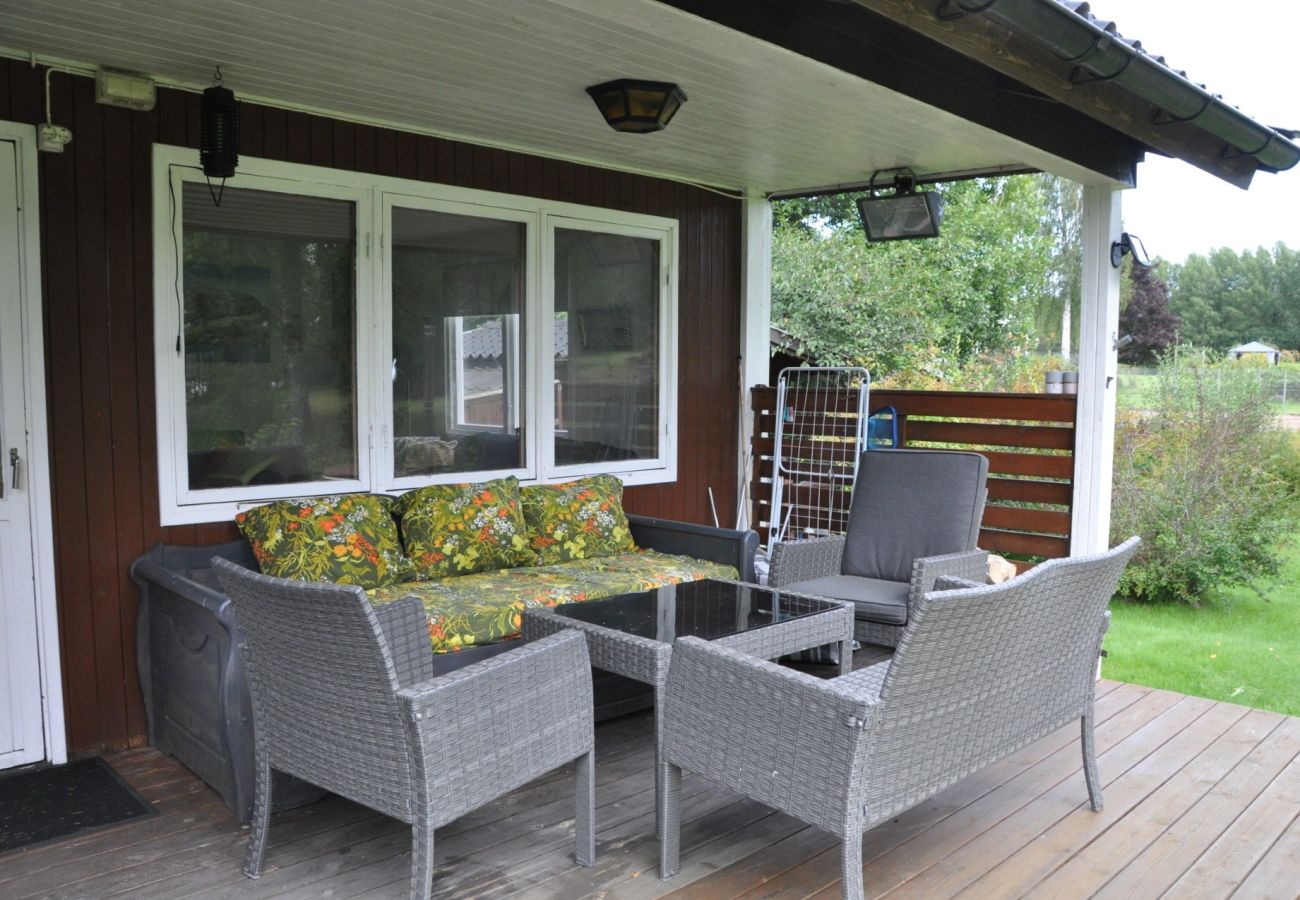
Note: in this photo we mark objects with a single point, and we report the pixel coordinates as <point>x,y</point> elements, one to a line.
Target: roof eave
<point>1035,42</point>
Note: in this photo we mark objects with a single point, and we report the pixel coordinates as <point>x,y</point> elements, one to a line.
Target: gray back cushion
<point>909,504</point>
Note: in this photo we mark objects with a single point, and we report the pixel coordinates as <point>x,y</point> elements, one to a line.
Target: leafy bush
<point>1207,479</point>
<point>1023,373</point>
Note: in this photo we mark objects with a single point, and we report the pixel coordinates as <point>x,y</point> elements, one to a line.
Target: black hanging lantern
<point>218,135</point>
<point>638,107</point>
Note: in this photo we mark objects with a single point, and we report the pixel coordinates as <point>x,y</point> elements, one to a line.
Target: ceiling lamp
<point>218,135</point>
<point>635,106</point>
<point>903,214</point>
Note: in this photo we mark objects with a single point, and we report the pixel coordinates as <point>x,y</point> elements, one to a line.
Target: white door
<point>22,732</point>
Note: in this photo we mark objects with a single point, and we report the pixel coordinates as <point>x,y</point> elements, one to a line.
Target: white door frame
<point>36,468</point>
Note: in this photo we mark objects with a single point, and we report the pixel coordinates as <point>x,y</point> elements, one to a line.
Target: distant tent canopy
<point>1271,354</point>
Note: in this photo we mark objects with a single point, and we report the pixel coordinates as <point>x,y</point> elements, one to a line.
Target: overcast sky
<point>1247,51</point>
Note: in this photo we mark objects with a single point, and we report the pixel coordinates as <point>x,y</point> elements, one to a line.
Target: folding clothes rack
<point>821,429</point>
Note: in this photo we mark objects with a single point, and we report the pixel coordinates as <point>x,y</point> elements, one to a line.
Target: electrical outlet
<point>52,138</point>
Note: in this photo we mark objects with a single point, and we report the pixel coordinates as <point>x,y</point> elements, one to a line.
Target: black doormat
<point>57,801</point>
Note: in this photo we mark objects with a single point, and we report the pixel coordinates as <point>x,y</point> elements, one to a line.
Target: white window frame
<point>484,208</point>
<point>374,197</point>
<point>178,503</point>
<point>634,471</point>
<point>457,418</point>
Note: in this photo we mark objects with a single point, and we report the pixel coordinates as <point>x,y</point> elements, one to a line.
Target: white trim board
<point>37,470</point>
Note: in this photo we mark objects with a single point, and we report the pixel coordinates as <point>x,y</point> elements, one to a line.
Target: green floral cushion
<point>484,608</point>
<point>348,539</point>
<point>459,529</point>
<point>581,519</point>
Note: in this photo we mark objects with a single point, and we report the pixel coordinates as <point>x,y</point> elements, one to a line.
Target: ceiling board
<point>512,74</point>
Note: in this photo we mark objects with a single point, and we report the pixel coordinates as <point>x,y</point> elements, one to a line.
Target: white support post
<point>1094,452</point>
<point>755,327</point>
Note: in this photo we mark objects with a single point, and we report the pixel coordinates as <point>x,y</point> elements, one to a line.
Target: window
<point>325,331</point>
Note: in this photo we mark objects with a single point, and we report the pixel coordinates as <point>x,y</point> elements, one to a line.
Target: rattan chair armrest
<point>737,720</point>
<point>953,583</point>
<point>406,630</point>
<point>493,726</point>
<point>794,561</point>
<point>971,565</point>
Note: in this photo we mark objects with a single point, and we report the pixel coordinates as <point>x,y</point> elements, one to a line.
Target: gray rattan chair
<point>344,697</point>
<point>980,672</point>
<point>915,516</point>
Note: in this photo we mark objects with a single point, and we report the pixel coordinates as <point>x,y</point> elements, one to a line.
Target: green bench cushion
<point>483,608</point>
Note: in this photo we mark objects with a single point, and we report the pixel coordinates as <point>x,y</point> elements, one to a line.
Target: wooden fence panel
<point>1029,440</point>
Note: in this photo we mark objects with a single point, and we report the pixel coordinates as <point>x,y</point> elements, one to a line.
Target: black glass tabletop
<point>706,609</point>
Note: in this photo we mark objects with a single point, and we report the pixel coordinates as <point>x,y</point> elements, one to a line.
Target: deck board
<point>1202,800</point>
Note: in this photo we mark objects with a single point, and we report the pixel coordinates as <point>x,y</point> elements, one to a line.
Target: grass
<point>1240,647</point>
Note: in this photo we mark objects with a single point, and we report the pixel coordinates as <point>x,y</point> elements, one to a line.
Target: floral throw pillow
<point>347,539</point>
<point>581,519</point>
<point>458,529</point>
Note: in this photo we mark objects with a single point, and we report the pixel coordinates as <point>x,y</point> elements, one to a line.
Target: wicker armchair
<point>981,671</point>
<point>915,517</point>
<point>344,697</point>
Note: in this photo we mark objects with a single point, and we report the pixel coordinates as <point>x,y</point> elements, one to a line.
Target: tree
<point>923,306</point>
<point>1147,318</point>
<point>1226,298</point>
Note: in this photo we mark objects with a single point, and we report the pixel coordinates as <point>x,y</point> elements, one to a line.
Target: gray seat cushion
<point>874,600</point>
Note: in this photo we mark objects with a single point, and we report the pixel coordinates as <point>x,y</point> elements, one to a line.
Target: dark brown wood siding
<point>97,259</point>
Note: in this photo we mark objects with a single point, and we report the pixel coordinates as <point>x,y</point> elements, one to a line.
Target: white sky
<point>1247,51</point>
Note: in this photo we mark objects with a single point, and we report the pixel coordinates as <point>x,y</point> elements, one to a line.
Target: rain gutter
<point>1100,53</point>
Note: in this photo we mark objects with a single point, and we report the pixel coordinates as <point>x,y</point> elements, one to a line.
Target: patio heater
<point>902,214</point>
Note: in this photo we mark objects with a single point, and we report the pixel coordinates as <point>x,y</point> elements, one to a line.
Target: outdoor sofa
<point>192,672</point>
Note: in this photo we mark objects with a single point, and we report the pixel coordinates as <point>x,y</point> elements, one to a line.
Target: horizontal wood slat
<point>1035,436</point>
<point>1015,518</point>
<point>957,420</point>
<point>1026,491</point>
<point>1003,463</point>
<point>1022,544</point>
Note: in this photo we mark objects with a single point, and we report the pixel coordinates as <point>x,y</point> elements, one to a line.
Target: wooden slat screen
<point>1028,439</point>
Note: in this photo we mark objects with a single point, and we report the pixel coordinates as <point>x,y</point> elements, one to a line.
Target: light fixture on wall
<point>902,215</point>
<point>1129,243</point>
<point>637,107</point>
<point>218,135</point>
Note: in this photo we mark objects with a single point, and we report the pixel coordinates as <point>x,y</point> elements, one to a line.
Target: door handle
<point>15,466</point>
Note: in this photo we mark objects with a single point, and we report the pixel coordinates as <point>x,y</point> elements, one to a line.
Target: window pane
<point>270,338</point>
<point>607,347</point>
<point>458,303</point>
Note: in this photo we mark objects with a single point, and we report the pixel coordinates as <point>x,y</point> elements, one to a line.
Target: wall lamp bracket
<point>1129,243</point>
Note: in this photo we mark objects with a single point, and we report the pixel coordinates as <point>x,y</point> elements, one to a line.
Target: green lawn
<point>1242,648</point>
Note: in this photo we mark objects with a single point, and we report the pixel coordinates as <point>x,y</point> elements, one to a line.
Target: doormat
<point>53,802</point>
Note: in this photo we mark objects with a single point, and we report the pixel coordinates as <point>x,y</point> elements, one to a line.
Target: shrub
<point>1207,479</point>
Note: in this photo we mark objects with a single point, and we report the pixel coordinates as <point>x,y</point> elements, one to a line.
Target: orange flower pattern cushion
<point>348,539</point>
<point>581,519</point>
<point>484,608</point>
<point>459,529</point>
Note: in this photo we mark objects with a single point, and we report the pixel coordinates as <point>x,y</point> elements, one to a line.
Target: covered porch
<point>459,107</point>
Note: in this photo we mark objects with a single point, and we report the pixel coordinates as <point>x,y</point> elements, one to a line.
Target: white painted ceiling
<point>512,73</point>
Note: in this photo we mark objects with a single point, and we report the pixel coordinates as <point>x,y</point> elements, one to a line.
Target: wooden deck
<point>1202,800</point>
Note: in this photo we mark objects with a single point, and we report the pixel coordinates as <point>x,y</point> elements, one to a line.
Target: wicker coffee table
<point>633,634</point>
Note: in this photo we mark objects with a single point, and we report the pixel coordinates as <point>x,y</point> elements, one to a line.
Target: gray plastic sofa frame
<point>192,672</point>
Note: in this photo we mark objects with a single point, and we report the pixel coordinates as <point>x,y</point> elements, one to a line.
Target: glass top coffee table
<point>633,634</point>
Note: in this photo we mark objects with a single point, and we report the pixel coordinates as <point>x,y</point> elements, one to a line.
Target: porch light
<point>218,135</point>
<point>1129,243</point>
<point>635,106</point>
<point>903,214</point>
